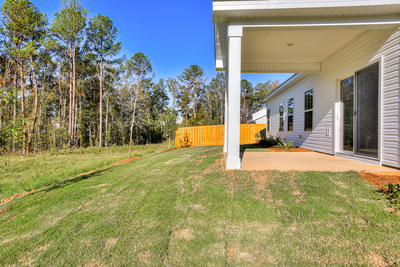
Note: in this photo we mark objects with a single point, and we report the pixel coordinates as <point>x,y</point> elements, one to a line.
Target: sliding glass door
<point>359,96</point>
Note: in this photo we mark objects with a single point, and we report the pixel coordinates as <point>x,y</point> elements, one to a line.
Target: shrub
<point>270,141</point>
<point>283,145</point>
<point>393,193</point>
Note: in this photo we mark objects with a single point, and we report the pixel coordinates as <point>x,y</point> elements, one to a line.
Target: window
<point>268,120</point>
<point>308,110</point>
<point>290,115</point>
<point>281,117</point>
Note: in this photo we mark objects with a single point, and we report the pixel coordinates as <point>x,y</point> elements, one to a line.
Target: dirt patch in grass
<point>298,149</point>
<point>144,257</point>
<point>377,260</point>
<point>218,165</point>
<point>6,200</point>
<point>262,181</point>
<point>186,234</point>
<point>29,258</point>
<point>380,181</point>
<point>111,242</point>
<point>94,263</point>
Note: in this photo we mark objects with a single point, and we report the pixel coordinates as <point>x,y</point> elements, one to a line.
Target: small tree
<point>139,65</point>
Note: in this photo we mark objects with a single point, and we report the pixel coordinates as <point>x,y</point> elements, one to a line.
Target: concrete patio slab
<point>307,161</point>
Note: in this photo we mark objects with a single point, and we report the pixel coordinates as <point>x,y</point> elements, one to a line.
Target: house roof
<point>258,115</point>
<point>285,85</point>
<point>295,36</point>
<point>226,10</point>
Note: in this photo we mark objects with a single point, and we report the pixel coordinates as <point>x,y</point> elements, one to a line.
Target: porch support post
<point>226,113</point>
<point>235,34</point>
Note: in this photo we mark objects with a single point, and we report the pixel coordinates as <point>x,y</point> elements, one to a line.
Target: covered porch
<point>271,38</point>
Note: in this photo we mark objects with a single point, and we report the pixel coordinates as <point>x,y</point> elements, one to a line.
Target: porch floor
<point>307,161</point>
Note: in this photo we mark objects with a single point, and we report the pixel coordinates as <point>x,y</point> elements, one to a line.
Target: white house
<point>345,99</point>
<point>259,117</point>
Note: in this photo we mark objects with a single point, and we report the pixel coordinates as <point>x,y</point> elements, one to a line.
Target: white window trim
<point>308,110</point>
<point>281,117</point>
<point>290,115</point>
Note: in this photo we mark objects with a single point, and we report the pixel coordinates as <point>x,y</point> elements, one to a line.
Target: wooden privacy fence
<point>214,135</point>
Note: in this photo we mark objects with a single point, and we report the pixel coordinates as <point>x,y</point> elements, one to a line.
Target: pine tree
<point>68,26</point>
<point>101,41</point>
<point>23,25</point>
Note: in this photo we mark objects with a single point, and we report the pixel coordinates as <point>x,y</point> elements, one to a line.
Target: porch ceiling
<point>274,47</point>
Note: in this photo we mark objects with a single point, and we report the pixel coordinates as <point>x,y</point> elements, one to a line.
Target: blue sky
<point>173,34</point>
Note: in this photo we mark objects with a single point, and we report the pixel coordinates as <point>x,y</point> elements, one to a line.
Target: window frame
<point>281,117</point>
<point>268,119</point>
<point>309,110</point>
<point>290,114</point>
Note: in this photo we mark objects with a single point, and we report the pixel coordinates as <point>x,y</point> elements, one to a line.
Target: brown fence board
<point>214,135</point>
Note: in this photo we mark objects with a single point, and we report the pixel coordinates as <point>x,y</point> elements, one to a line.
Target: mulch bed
<point>299,149</point>
<point>380,181</point>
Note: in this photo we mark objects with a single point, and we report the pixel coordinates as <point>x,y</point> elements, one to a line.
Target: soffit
<point>271,44</point>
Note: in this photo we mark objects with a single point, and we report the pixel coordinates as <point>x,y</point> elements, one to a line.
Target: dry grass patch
<point>94,263</point>
<point>186,234</point>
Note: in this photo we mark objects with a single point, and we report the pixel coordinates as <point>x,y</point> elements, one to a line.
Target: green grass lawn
<point>180,208</point>
<point>24,173</point>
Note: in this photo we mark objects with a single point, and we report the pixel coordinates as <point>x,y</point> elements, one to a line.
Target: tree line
<point>64,84</point>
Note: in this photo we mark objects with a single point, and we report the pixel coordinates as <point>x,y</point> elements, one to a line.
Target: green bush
<point>283,145</point>
<point>270,141</point>
<point>393,193</point>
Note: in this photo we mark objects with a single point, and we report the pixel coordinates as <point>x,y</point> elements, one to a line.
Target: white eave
<point>295,78</point>
<point>223,5</point>
<point>277,17</point>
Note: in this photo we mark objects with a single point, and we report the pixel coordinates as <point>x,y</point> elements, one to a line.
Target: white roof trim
<point>284,86</point>
<point>279,4</point>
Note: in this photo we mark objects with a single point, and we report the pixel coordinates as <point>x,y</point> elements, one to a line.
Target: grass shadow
<point>70,181</point>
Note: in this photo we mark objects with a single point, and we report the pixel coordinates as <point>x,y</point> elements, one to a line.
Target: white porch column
<point>235,34</point>
<point>226,113</point>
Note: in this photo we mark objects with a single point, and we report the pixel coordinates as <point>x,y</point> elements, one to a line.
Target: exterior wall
<point>259,117</point>
<point>368,48</point>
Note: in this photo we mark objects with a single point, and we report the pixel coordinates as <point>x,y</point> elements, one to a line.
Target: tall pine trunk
<point>74,89</point>
<point>70,94</point>
<point>106,140</point>
<point>29,144</point>
<point>23,108</point>
<point>15,106</point>
<point>101,104</point>
<point>133,122</point>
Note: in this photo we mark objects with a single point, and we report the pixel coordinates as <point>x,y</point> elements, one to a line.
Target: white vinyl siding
<point>365,50</point>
